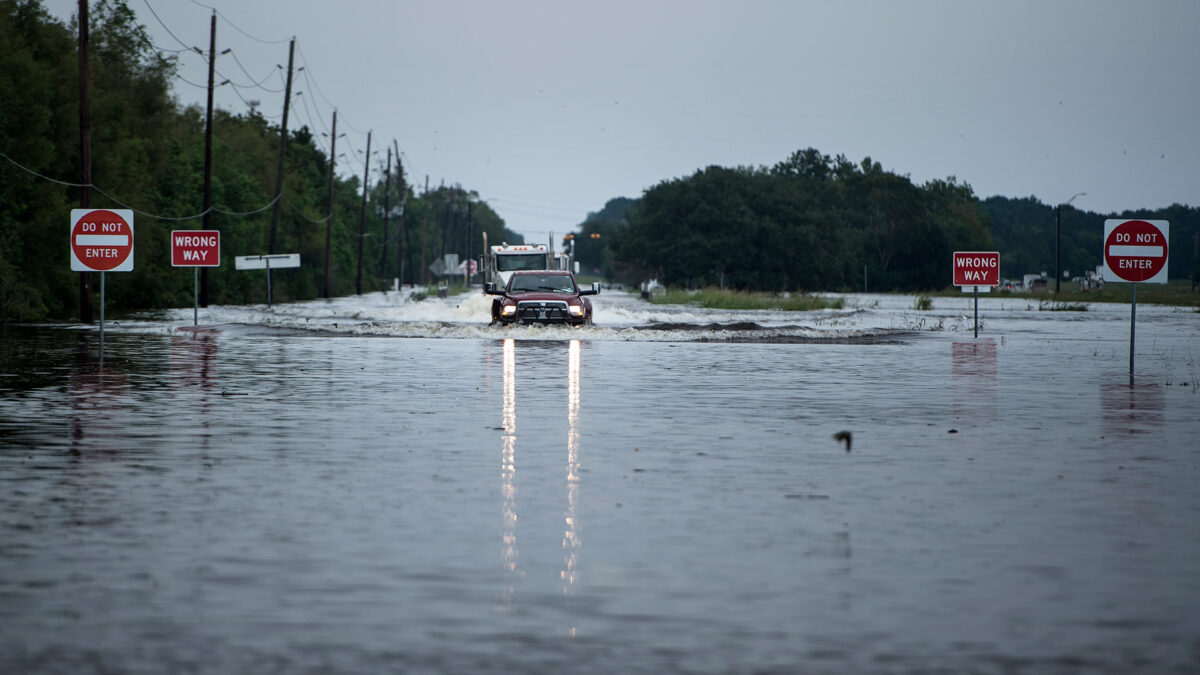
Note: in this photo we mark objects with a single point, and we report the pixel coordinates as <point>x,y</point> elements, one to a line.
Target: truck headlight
<point>508,310</point>
<point>575,310</point>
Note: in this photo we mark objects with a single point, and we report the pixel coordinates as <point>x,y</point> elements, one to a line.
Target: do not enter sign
<point>101,240</point>
<point>1135,250</point>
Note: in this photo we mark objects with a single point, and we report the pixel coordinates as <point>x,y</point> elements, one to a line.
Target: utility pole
<point>453,220</point>
<point>1057,247</point>
<point>444,218</point>
<point>1058,238</point>
<point>85,154</point>
<point>208,123</point>
<point>402,232</point>
<point>283,132</point>
<point>1195,259</point>
<point>470,223</point>
<point>329,217</point>
<point>425,228</point>
<point>387,205</point>
<point>362,215</point>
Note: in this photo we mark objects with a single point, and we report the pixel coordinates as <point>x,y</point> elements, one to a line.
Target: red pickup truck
<point>543,296</point>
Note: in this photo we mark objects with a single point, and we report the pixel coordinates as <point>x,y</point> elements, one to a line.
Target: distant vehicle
<point>544,297</point>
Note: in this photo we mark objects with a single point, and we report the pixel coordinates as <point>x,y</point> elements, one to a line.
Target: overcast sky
<point>549,108</point>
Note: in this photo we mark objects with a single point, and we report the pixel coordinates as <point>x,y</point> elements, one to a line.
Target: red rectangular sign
<point>976,268</point>
<point>195,248</point>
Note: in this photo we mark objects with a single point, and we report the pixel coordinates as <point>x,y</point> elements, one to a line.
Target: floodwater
<point>377,484</point>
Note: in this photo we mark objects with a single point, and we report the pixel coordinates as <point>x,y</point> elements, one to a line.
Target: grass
<point>715,298</point>
<point>1052,306</point>
<point>1176,293</point>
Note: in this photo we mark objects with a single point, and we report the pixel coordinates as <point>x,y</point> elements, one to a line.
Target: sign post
<point>267,262</point>
<point>1135,250</point>
<point>101,241</point>
<point>975,270</point>
<point>195,249</point>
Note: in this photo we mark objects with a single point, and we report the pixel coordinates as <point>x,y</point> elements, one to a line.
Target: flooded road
<point>383,485</point>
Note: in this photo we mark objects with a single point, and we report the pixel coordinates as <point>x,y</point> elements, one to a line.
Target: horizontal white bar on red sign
<point>1128,251</point>
<point>101,240</point>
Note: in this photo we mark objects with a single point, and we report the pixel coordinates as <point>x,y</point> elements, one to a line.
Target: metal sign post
<point>1132,326</point>
<point>102,320</point>
<point>196,249</point>
<point>268,263</point>
<point>101,241</point>
<point>1135,251</point>
<point>976,269</point>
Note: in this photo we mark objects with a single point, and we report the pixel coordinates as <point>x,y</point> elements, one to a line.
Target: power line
<point>160,22</point>
<point>259,83</point>
<point>256,39</point>
<point>131,208</point>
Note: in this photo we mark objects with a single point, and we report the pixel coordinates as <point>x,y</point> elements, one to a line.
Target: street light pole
<point>1058,240</point>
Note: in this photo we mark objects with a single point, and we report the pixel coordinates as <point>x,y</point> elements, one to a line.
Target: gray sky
<point>548,108</point>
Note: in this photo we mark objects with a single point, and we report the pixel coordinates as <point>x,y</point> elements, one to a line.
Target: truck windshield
<point>510,262</point>
<point>556,283</point>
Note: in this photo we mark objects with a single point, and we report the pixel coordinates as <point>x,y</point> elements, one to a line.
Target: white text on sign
<point>977,262</point>
<point>189,240</point>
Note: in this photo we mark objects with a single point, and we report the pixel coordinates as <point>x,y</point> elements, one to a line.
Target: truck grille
<point>542,311</point>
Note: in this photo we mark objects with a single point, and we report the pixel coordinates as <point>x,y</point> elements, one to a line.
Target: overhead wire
<point>136,210</point>
<point>353,162</point>
<point>165,27</point>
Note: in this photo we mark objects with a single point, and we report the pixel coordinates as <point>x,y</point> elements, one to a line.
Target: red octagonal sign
<point>101,240</point>
<point>1135,250</point>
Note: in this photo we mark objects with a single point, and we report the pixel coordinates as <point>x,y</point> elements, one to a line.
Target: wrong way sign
<point>101,240</point>
<point>976,268</point>
<point>1136,250</point>
<point>195,248</point>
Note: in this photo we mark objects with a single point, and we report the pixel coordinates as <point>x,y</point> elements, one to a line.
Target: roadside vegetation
<point>716,298</point>
<point>1177,292</point>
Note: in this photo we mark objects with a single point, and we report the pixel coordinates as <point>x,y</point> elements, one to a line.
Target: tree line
<point>148,153</point>
<point>818,223</point>
<point>811,222</point>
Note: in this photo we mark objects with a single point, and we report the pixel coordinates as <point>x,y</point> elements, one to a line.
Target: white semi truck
<point>499,262</point>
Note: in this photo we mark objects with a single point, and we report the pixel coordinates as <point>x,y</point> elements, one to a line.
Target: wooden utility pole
<point>362,214</point>
<point>283,134</point>
<point>425,229</point>
<point>85,154</point>
<point>402,243</point>
<point>208,122</point>
<point>470,225</point>
<point>387,205</point>
<point>329,217</point>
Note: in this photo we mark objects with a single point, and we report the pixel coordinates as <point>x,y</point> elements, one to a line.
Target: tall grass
<point>716,298</point>
<point>1177,292</point>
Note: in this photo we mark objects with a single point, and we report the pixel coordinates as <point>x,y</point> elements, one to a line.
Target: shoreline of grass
<point>716,298</point>
<point>1177,293</point>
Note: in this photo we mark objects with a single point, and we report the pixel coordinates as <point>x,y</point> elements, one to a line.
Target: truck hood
<point>542,296</point>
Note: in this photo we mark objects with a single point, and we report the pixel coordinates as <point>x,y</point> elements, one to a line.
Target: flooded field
<point>377,484</point>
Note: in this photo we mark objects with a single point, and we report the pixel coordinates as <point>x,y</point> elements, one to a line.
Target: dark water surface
<point>253,500</point>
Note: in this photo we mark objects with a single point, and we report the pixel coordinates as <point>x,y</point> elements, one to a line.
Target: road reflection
<point>193,358</point>
<point>570,571</point>
<point>508,469</point>
<point>194,366</point>
<point>97,394</point>
<point>973,373</point>
<point>571,541</point>
<point>1131,409</point>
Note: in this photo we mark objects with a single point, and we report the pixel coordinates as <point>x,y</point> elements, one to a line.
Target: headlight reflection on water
<point>569,573</point>
<point>508,467</point>
<point>570,543</point>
